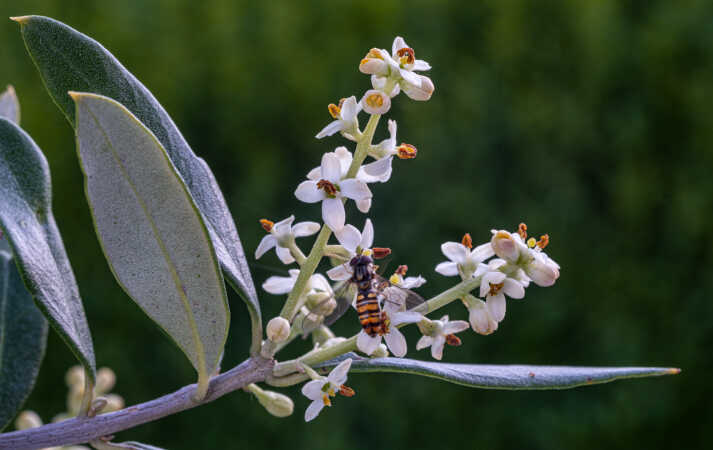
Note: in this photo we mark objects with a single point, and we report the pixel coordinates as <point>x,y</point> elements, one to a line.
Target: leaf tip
<point>74,94</point>
<point>22,20</point>
<point>673,371</point>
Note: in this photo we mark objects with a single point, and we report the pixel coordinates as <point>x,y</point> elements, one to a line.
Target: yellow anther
<point>374,53</point>
<point>326,400</point>
<point>394,279</point>
<point>367,252</point>
<point>375,100</point>
<point>531,242</point>
<point>334,111</point>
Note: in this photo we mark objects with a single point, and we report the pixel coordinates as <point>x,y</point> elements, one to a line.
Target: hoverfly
<point>372,291</point>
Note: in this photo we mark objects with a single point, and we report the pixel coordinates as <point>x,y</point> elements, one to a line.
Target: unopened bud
<point>28,419</point>
<point>74,401</point>
<point>278,405</point>
<point>106,379</point>
<point>75,377</point>
<point>542,270</point>
<point>114,402</point>
<point>421,91</point>
<point>278,329</point>
<point>479,316</point>
<point>380,352</point>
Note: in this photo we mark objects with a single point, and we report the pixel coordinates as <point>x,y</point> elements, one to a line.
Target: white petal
<point>345,159</point>
<point>420,64</point>
<point>331,168</point>
<point>333,213</point>
<point>330,129</point>
<point>448,268</point>
<point>305,229</point>
<point>424,342</point>
<point>398,44</point>
<point>318,282</point>
<point>284,226</point>
<point>482,252</point>
<point>367,236</point>
<point>410,77</point>
<point>364,205</point>
<point>315,174</point>
<point>421,91</point>
<point>355,189</point>
<point>455,251</point>
<point>349,108</point>
<point>379,170</point>
<point>284,255</point>
<point>349,237</point>
<point>396,342</point>
<point>338,375</point>
<point>367,344</point>
<point>413,282</point>
<point>314,409</point>
<point>313,389</point>
<point>406,317</point>
<point>308,192</point>
<point>279,285</point>
<point>479,317</point>
<point>496,306</point>
<point>437,347</point>
<point>266,244</point>
<point>455,326</point>
<point>339,273</point>
<point>513,289</point>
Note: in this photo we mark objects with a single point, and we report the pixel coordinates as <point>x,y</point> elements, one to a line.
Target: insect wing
<point>344,294</point>
<point>406,297</point>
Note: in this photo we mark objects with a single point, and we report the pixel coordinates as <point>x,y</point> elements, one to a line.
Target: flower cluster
<point>502,267</point>
<point>519,261</point>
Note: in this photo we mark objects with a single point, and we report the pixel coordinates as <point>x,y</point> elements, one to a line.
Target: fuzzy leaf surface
<point>150,230</point>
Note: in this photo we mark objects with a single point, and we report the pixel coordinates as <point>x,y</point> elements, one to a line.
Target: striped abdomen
<point>367,306</point>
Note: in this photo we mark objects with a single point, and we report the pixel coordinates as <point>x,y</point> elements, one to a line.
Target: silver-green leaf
<point>152,233</point>
<point>23,337</point>
<point>71,61</point>
<point>510,377</point>
<point>9,106</point>
<point>28,224</point>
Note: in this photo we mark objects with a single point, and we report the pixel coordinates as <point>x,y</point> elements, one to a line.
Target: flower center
<point>375,100</point>
<point>406,56</point>
<point>406,151</point>
<point>267,224</point>
<point>329,188</point>
<point>495,288</point>
<point>467,241</point>
<point>326,400</point>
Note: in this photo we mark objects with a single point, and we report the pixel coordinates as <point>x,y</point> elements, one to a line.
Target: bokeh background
<point>590,121</point>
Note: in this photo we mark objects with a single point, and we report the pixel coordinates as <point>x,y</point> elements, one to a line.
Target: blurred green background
<point>588,120</point>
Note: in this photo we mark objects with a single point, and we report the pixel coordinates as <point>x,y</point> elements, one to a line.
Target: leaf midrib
<point>174,274</point>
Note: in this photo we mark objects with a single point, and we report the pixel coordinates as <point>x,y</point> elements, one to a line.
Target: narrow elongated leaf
<point>28,224</point>
<point>150,229</point>
<point>511,377</point>
<point>70,61</point>
<point>9,106</point>
<point>23,337</point>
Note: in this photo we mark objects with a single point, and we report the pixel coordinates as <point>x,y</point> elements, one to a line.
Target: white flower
<point>400,67</point>
<point>542,269</point>
<point>330,190</point>
<point>395,340</point>
<point>282,235</point>
<point>368,173</point>
<point>527,255</point>
<point>351,239</point>
<point>320,391</point>
<point>508,246</point>
<point>345,116</point>
<point>443,332</point>
<point>375,102</point>
<point>494,285</point>
<point>388,146</point>
<point>464,259</point>
<point>408,282</point>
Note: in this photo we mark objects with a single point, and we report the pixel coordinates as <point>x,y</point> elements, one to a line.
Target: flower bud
<point>114,402</point>
<point>505,246</point>
<point>75,377</point>
<point>278,405</point>
<point>28,419</point>
<point>376,102</point>
<point>74,401</point>
<point>380,352</point>
<point>373,63</point>
<point>278,329</point>
<point>106,379</point>
<point>479,317</point>
<point>542,270</point>
<point>321,303</point>
<point>421,91</point>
